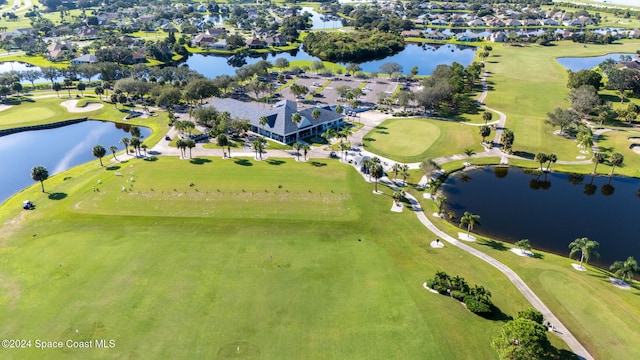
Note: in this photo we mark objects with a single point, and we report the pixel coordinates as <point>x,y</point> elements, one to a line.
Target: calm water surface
<point>576,64</point>
<point>426,57</point>
<point>551,211</point>
<point>56,149</point>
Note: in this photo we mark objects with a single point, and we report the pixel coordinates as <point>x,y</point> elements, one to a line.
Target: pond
<point>321,21</point>
<point>56,149</point>
<point>576,64</point>
<point>426,57</point>
<point>19,67</point>
<point>551,210</point>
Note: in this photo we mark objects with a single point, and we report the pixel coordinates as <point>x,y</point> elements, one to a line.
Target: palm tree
<point>469,152</point>
<point>135,143</point>
<point>305,149</point>
<point>182,145</point>
<point>263,121</point>
<point>625,269</point>
<point>552,158</point>
<point>585,141</point>
<point>598,158</point>
<point>113,150</point>
<point>376,171</point>
<point>339,109</point>
<point>99,151</point>
<point>523,245</point>
<point>258,145</point>
<point>316,113</point>
<point>56,87</point>
<point>485,131</point>
<point>125,141</point>
<point>542,158</point>
<point>405,173</point>
<point>328,134</point>
<point>296,118</point>
<point>297,146</point>
<point>223,141</point>
<point>190,143</point>
<point>40,173</point>
<point>616,160</point>
<point>144,148</point>
<point>470,220</point>
<point>586,247</point>
<point>487,116</point>
<point>396,168</point>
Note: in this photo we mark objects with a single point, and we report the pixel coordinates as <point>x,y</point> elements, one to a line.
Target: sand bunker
<point>635,148</point>
<point>521,252</point>
<point>71,106</point>
<point>620,284</point>
<point>465,237</point>
<point>4,107</point>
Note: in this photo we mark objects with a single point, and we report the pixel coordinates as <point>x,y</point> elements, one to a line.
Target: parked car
<point>27,205</point>
<point>168,138</point>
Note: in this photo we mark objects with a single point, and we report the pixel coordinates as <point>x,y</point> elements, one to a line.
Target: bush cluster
<point>477,299</point>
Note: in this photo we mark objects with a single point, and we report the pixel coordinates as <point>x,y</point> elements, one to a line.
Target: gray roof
<point>279,114</point>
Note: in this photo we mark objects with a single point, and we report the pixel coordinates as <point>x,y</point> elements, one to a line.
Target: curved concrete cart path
<point>558,327</point>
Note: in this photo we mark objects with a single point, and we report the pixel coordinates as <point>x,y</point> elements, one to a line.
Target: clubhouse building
<point>280,128</point>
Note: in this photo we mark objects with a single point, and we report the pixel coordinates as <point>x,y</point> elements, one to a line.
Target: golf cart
<point>28,205</point>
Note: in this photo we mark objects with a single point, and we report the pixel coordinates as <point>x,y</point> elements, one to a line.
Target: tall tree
<point>258,145</point>
<point>396,168</point>
<point>190,143</point>
<point>125,141</point>
<point>485,131</point>
<point>223,141</point>
<point>296,118</point>
<point>263,121</point>
<point>297,146</point>
<point>182,145</point>
<point>551,158</point>
<point>113,150</point>
<point>541,158</point>
<point>487,116</point>
<point>522,339</point>
<point>469,152</point>
<point>470,220</point>
<point>598,158</point>
<point>305,150</point>
<point>376,171</point>
<point>40,173</point>
<point>561,118</point>
<point>625,269</point>
<point>587,248</point>
<point>615,160</point>
<point>99,152</point>
<point>508,137</point>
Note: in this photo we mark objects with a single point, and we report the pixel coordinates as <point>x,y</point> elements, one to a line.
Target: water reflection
<point>513,203</point>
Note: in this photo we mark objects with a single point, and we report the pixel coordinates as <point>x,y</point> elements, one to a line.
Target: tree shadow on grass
<point>493,244</point>
<point>112,168</point>
<point>537,255</point>
<point>57,196</point>
<point>524,154</point>
<point>369,139</point>
<point>561,354</point>
<point>243,162</point>
<point>317,163</point>
<point>199,161</point>
<point>151,158</point>
<point>380,127</point>
<point>275,162</point>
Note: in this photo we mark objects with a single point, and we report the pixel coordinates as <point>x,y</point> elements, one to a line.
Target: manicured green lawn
<point>527,96</point>
<point>196,258</point>
<point>413,139</point>
<point>603,317</point>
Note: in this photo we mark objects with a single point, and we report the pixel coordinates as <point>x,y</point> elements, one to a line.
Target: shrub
<point>531,314</point>
<point>458,295</point>
<point>478,306</point>
<point>441,289</point>
<point>430,283</point>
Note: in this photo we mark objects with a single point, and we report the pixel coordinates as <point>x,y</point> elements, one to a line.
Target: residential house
<point>254,43</point>
<point>498,36</point>
<point>467,36</point>
<point>85,59</point>
<point>220,45</point>
<point>203,40</point>
<point>437,35</point>
<point>280,127</point>
<point>276,40</point>
<point>476,22</point>
<point>410,33</point>
<point>138,57</point>
<point>56,49</point>
<point>87,33</point>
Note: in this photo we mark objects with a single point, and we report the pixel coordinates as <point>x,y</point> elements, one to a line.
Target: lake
<point>576,64</point>
<point>551,211</point>
<point>426,57</point>
<point>56,149</point>
<point>19,67</point>
<point>320,21</point>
